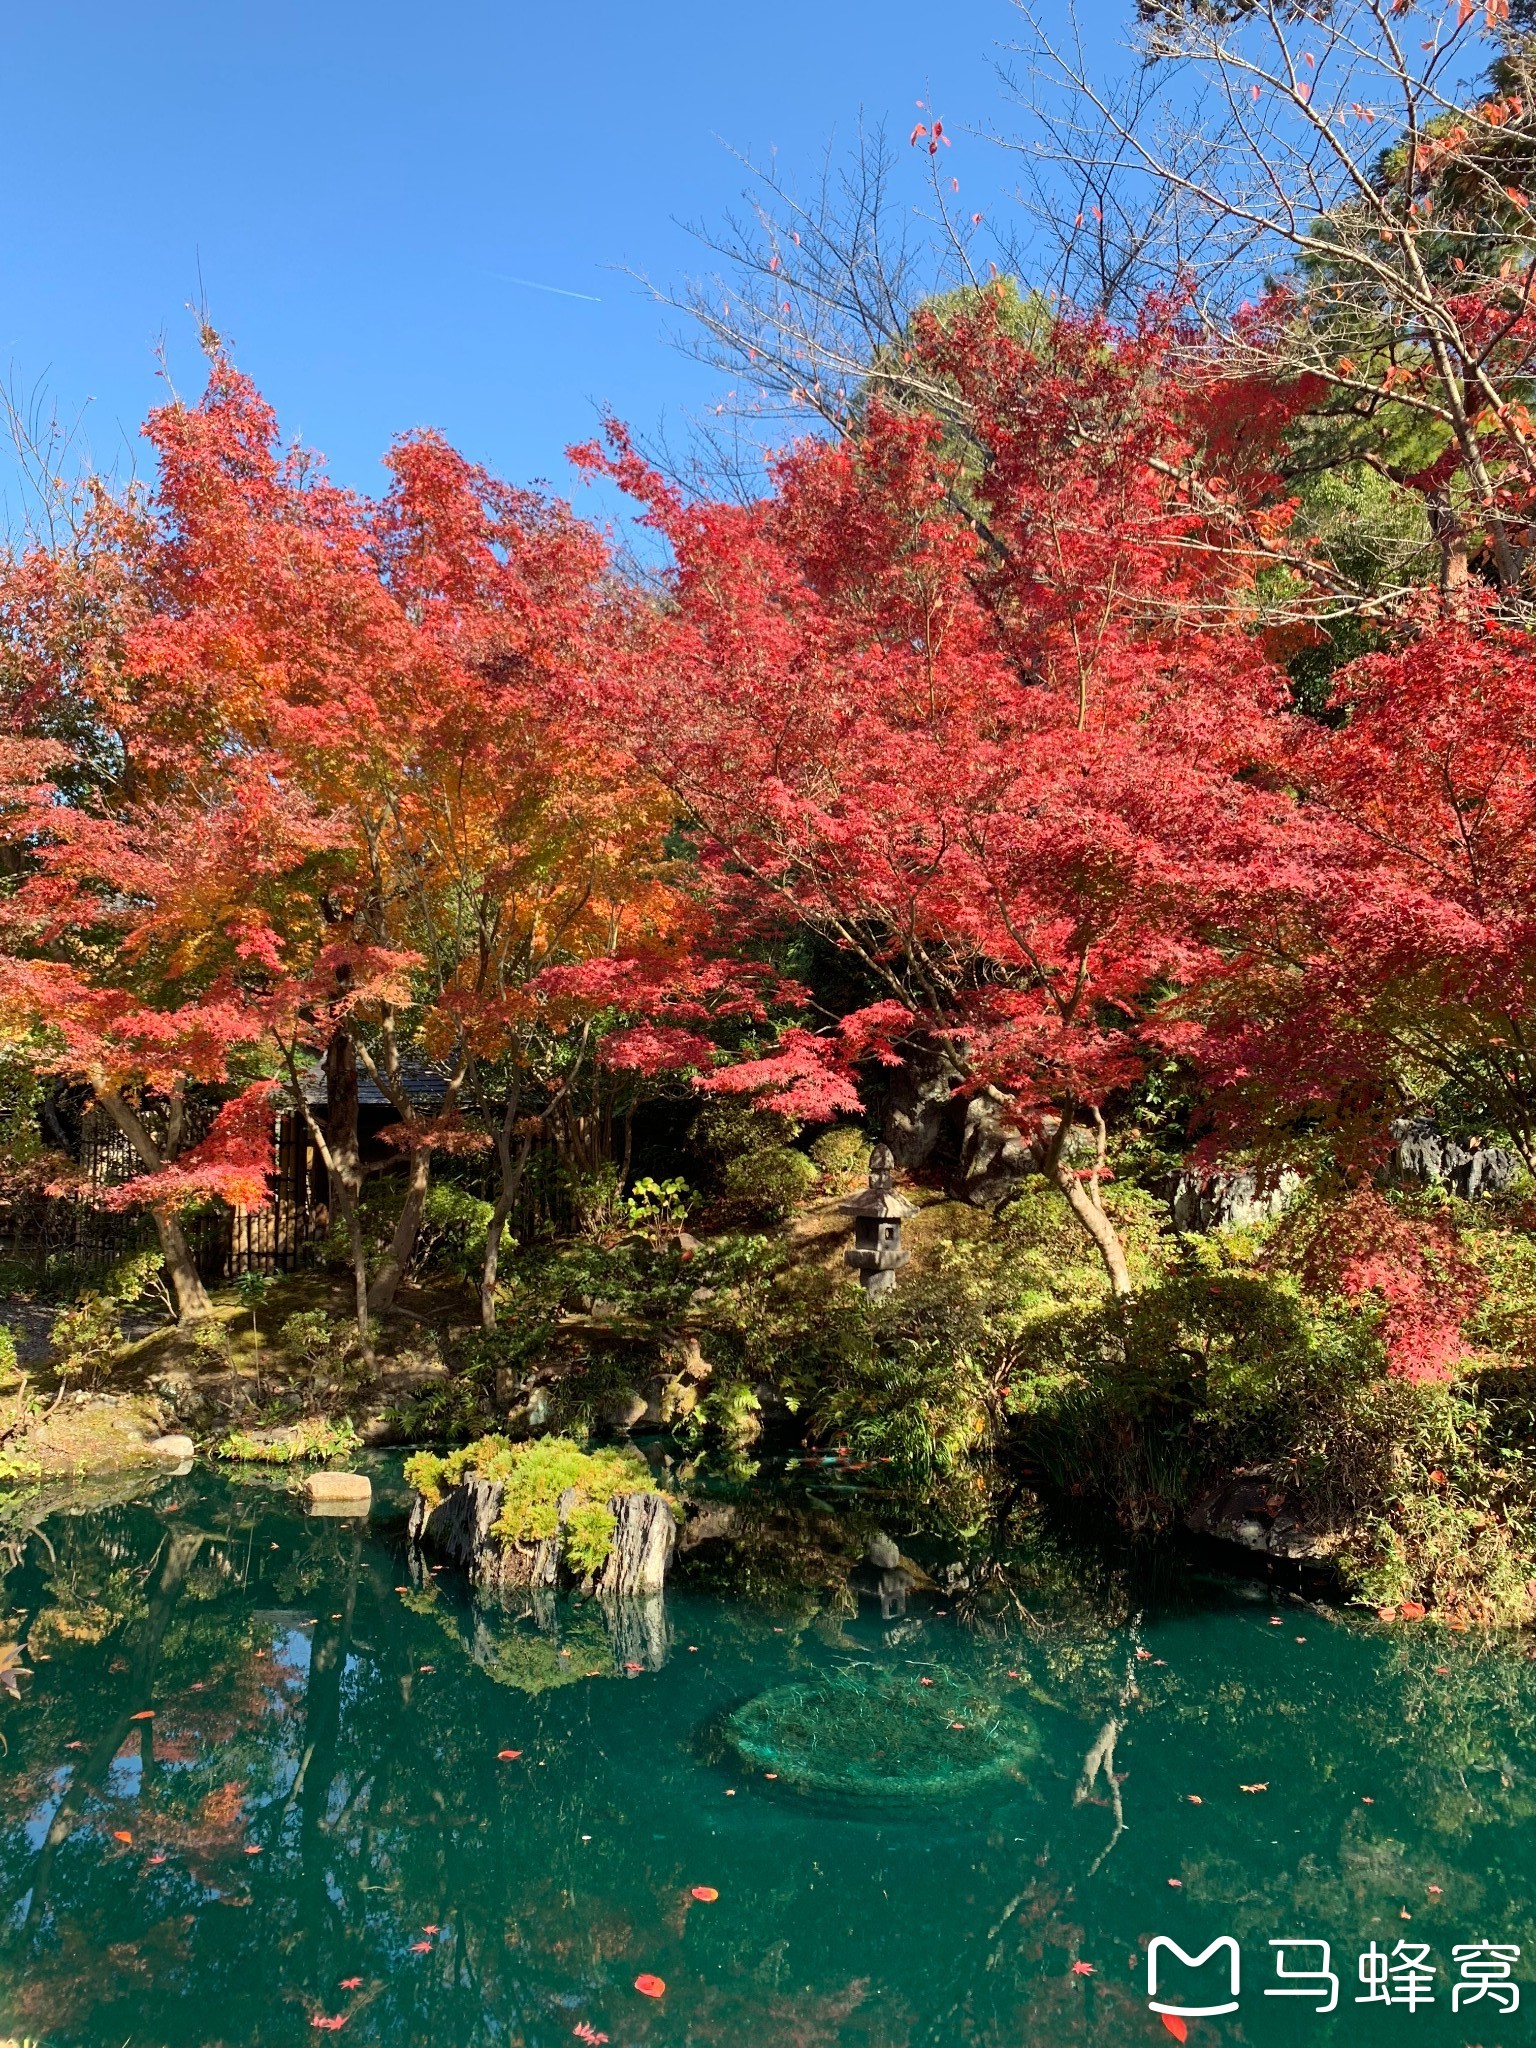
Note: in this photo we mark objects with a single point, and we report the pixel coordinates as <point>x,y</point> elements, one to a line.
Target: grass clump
<point>534,1477</point>
<point>315,1441</point>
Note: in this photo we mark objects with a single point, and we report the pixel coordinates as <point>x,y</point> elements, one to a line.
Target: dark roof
<point>424,1087</point>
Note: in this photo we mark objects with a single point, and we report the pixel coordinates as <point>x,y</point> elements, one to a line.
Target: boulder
<point>920,1109</point>
<point>644,1538</point>
<point>1212,1201</point>
<point>1254,1509</point>
<point>355,1488</point>
<point>459,1529</point>
<point>1424,1153</point>
<point>994,1153</point>
<point>173,1447</point>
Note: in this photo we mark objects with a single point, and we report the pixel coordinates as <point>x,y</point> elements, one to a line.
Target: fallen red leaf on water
<point>420,1948</point>
<point>402,1589</point>
<point>634,1667</point>
<point>770,1774</point>
<point>957,1724</point>
<point>1365,1800</point>
<point>1013,1674</point>
<point>706,1892</point>
<point>1254,1788</point>
<point>1175,2025</point>
<point>649,1986</point>
<point>507,1756</point>
<point>350,1983</point>
<point>925,1681</point>
<point>585,2031</point>
<point>1082,1969</point>
<point>426,1667</point>
<point>1434,1891</point>
<point>74,1745</point>
<point>1177,1883</point>
<point>121,1835</point>
<point>144,1714</point>
<point>328,2026</point>
<point>1195,1799</point>
<point>158,1857</point>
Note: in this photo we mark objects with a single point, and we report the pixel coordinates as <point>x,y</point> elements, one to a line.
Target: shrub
<point>452,1237</point>
<point>308,1335</point>
<point>9,1363</point>
<point>765,1187</point>
<point>842,1155</point>
<point>728,1127</point>
<point>315,1441</point>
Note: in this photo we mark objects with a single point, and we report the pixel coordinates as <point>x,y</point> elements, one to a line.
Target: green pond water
<point>253,1793</point>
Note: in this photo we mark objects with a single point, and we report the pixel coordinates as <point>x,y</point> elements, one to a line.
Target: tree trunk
<point>344,1164</point>
<point>1084,1204</point>
<point>512,1168</point>
<point>191,1295</point>
<point>186,1283</point>
<point>407,1224</point>
<point>402,1244</point>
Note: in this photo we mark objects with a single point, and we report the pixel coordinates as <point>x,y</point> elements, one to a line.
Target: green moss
<point>533,1478</point>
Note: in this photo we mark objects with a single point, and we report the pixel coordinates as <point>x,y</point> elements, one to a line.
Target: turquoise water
<point>313,1830</point>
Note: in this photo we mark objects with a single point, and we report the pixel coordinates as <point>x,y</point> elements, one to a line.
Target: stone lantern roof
<point>882,1202</point>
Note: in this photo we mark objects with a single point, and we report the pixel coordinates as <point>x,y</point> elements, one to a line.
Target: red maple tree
<point>978,712</point>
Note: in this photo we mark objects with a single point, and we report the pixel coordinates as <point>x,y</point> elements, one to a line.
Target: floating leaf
<point>704,1892</point>
<point>1175,2025</point>
<point>121,1835</point>
<point>508,1756</point>
<point>1082,1969</point>
<point>649,1986</point>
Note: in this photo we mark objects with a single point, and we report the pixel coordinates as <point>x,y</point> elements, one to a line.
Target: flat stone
<point>347,1486</point>
<point>173,1447</point>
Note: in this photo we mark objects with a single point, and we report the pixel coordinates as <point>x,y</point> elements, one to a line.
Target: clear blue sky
<point>358,182</point>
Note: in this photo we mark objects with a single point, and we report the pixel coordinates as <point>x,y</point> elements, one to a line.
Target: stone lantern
<point>878,1213</point>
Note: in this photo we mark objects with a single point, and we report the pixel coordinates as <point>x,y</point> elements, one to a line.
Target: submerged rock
<point>875,1734</point>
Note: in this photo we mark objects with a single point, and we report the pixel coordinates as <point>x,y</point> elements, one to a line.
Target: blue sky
<point>357,184</point>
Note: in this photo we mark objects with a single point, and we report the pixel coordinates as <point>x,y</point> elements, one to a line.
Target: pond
<point>269,1779</point>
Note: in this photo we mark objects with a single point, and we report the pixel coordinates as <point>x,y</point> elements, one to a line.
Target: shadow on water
<point>272,1777</point>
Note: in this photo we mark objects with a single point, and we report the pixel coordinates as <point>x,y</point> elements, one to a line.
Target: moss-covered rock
<point>530,1514</point>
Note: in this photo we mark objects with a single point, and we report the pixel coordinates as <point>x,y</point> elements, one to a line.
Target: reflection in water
<point>272,1778</point>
